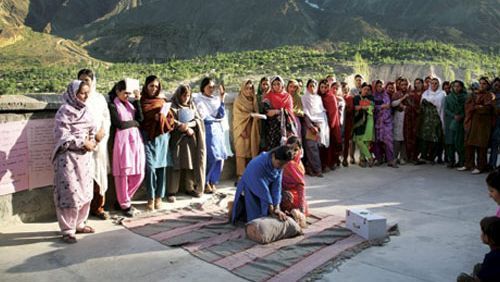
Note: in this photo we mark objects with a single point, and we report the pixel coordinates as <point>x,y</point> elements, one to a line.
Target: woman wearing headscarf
<point>155,127</point>
<point>128,149</point>
<point>293,195</point>
<point>278,107</point>
<point>412,114</point>
<point>295,90</point>
<point>495,135</point>
<point>431,120</point>
<point>187,147</point>
<point>454,113</point>
<point>74,135</point>
<point>262,90</point>
<point>245,127</point>
<point>98,108</point>
<point>347,147</point>
<point>317,129</point>
<point>330,154</point>
<point>479,113</point>
<point>363,124</point>
<point>212,110</point>
<point>383,124</point>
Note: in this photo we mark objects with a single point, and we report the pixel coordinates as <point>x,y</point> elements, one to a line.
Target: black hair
<point>283,153</point>
<point>309,81</point>
<point>493,179</point>
<point>149,79</point>
<point>86,72</point>
<point>323,81</point>
<point>299,80</point>
<point>459,82</point>
<point>119,86</point>
<point>490,226</point>
<point>365,84</point>
<point>445,83</point>
<point>204,82</point>
<point>358,76</point>
<point>292,141</point>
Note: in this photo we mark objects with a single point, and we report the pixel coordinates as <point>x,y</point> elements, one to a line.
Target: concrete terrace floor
<point>438,211</point>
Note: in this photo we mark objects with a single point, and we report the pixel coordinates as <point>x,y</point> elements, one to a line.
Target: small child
<point>493,181</point>
<point>489,270</point>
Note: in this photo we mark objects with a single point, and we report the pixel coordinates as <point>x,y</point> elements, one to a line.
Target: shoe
<point>392,164</point>
<point>193,193</point>
<point>371,162</point>
<point>402,162</point>
<point>103,215</point>
<point>150,205</point>
<point>462,168</point>
<point>171,199</point>
<point>69,239</point>
<point>420,162</point>
<point>320,175</point>
<point>353,161</point>
<point>476,171</point>
<point>158,204</point>
<point>85,229</point>
<point>208,189</point>
<point>362,163</point>
<point>130,212</point>
<point>326,169</point>
<point>345,163</point>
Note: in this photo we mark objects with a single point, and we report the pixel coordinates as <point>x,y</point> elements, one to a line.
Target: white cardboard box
<point>366,224</point>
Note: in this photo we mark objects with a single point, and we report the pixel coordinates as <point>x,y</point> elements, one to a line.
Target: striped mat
<point>204,231</point>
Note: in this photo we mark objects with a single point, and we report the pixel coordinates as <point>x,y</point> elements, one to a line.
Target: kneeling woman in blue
<point>259,190</point>
<point>212,111</point>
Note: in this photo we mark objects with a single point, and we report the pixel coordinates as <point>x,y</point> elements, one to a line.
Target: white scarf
<point>315,111</point>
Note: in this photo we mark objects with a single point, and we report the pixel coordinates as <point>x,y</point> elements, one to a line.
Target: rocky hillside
<point>147,30</point>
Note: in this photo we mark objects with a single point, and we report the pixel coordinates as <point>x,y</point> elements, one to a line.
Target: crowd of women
<point>181,144</point>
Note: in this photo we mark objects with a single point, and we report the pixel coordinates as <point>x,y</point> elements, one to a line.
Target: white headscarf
<point>315,111</point>
<point>436,98</point>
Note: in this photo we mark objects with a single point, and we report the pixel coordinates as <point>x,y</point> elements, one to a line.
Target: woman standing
<point>431,120</point>
<point>347,147</point>
<point>74,134</point>
<point>98,108</point>
<point>412,113</point>
<point>156,127</point>
<point>187,147</point>
<point>278,107</point>
<point>128,149</point>
<point>363,124</point>
<point>317,130</point>
<point>479,112</point>
<point>330,153</point>
<point>245,127</point>
<point>383,125</point>
<point>454,109</point>
<point>212,110</point>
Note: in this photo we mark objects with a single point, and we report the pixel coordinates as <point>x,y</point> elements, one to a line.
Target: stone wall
<point>37,204</point>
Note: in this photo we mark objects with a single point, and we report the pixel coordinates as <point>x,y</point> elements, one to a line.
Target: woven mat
<point>204,231</point>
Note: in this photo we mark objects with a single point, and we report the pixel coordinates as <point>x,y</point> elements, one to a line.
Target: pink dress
<point>128,150</point>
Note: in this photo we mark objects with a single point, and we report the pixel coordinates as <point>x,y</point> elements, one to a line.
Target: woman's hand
<point>183,127</point>
<point>189,132</point>
<point>222,91</point>
<point>89,145</point>
<point>100,134</point>
<point>280,215</point>
<point>137,94</point>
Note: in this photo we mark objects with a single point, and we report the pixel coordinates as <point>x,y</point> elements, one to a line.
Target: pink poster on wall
<point>13,157</point>
<point>40,146</point>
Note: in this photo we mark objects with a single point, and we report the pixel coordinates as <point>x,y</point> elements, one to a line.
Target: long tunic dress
<point>259,187</point>
<point>280,126</point>
<point>454,130</point>
<point>73,166</point>
<point>363,125</point>
<point>129,158</point>
<point>383,127</point>
<point>293,187</point>
<point>98,108</point>
<point>246,148</point>
<point>156,134</point>
<point>330,154</point>
<point>188,152</point>
<point>411,124</point>
<point>212,111</point>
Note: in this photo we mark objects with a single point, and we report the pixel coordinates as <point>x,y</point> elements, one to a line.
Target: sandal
<point>85,229</point>
<point>70,239</point>
<point>102,215</point>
